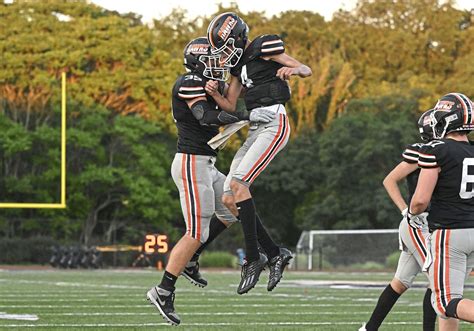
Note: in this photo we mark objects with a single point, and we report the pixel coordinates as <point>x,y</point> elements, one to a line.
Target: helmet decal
<point>424,125</point>
<point>198,49</point>
<point>226,28</point>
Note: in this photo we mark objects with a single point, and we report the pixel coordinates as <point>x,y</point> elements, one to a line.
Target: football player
<point>199,183</point>
<point>412,240</point>
<point>447,184</point>
<point>261,68</point>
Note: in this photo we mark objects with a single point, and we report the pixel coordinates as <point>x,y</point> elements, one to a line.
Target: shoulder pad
<point>411,153</point>
<point>191,86</point>
<point>264,45</point>
<point>270,44</point>
<point>431,154</point>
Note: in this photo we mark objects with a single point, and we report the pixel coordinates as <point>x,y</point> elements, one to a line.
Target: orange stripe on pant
<point>186,190</point>
<point>266,151</point>
<point>439,276</point>
<point>196,197</point>
<point>275,151</point>
<point>415,242</point>
<point>447,286</point>
<point>437,272</point>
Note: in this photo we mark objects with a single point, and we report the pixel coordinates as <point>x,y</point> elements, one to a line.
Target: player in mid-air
<point>259,69</point>
<point>412,240</point>
<point>446,184</point>
<point>199,182</point>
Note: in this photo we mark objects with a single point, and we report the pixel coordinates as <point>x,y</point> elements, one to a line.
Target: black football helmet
<point>228,35</point>
<point>453,112</point>
<point>424,125</point>
<point>198,58</point>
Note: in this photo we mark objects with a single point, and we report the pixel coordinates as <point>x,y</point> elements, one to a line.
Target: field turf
<point>115,300</point>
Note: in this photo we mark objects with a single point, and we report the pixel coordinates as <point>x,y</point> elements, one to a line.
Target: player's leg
<point>220,221</point>
<point>407,266</point>
<point>416,242</point>
<point>228,198</point>
<point>191,271</point>
<point>447,272</point>
<point>269,139</point>
<point>278,257</point>
<point>412,257</point>
<point>266,140</point>
<point>465,308</point>
<point>429,314</point>
<point>265,241</point>
<point>193,180</point>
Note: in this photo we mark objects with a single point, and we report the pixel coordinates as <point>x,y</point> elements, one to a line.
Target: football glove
<point>262,115</point>
<point>416,221</point>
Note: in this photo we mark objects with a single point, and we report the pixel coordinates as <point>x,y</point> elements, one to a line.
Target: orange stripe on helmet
<point>211,27</point>
<point>464,106</point>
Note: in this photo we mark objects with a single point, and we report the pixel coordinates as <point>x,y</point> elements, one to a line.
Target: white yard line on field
<point>230,313</point>
<point>127,325</point>
<point>72,284</point>
<point>18,317</point>
<point>120,298</point>
<point>198,305</point>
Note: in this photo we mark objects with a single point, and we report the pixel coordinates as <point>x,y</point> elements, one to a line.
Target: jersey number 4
<point>467,191</point>
<point>246,81</point>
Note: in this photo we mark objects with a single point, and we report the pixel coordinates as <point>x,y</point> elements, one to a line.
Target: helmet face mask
<point>230,54</point>
<point>213,68</point>
<point>198,58</point>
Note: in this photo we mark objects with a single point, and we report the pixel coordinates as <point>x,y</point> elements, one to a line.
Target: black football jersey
<point>452,203</point>
<point>410,155</point>
<point>192,136</point>
<point>258,76</point>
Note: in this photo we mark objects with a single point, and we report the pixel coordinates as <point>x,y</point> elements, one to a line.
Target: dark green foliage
<point>374,70</point>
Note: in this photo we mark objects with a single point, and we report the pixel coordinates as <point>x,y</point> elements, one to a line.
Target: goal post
<point>345,248</point>
<point>62,203</point>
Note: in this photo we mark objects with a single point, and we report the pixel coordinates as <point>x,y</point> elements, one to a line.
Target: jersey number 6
<point>464,193</point>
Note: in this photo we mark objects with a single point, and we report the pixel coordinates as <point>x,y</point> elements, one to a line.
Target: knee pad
<point>451,308</point>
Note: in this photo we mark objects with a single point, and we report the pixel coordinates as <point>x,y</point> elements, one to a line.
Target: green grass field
<point>115,300</point>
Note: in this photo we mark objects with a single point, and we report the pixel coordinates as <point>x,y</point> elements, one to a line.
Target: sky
<point>150,9</point>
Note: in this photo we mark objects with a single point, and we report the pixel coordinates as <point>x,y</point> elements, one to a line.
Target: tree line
<point>375,69</point>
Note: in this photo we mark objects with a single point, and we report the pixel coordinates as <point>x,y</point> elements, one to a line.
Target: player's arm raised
<point>229,101</point>
<point>400,172</point>
<point>291,66</point>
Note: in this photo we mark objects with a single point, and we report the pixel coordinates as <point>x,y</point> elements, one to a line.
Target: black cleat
<point>192,274</point>
<point>250,274</point>
<point>277,266</point>
<point>164,301</point>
